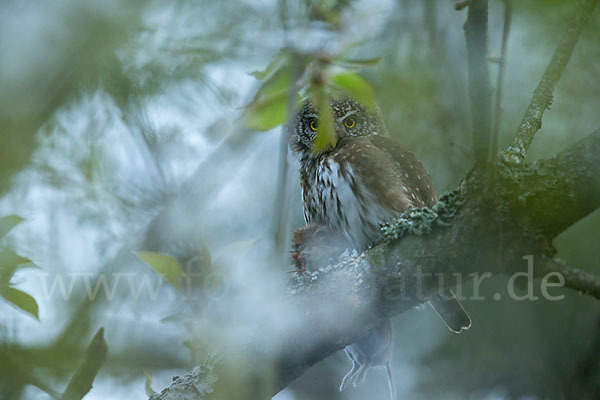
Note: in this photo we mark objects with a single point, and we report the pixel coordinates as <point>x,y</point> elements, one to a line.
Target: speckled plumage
<point>367,179</point>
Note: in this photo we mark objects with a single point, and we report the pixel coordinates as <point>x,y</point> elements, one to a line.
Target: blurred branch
<point>281,207</point>
<point>282,197</point>
<point>84,376</point>
<point>542,95</point>
<point>37,93</point>
<point>461,4</point>
<point>479,80</point>
<point>423,250</point>
<point>429,11</point>
<point>493,154</point>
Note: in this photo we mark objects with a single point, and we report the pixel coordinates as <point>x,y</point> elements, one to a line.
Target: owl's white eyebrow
<point>349,113</point>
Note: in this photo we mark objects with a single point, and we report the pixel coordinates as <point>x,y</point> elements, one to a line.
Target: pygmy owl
<point>352,187</point>
<point>366,179</point>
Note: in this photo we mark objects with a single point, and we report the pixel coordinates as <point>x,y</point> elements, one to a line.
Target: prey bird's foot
<point>360,376</point>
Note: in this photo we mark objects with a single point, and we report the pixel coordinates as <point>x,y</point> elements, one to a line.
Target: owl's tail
<point>449,309</point>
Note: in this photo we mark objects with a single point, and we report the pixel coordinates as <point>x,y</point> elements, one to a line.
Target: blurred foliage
<point>81,382</point>
<point>149,390</point>
<point>9,263</point>
<point>268,109</point>
<point>287,79</point>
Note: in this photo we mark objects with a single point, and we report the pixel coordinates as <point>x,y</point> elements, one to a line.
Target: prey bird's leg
<point>391,384</point>
<point>350,375</point>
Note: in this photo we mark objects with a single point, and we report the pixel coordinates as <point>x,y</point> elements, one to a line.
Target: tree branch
<point>461,235</point>
<point>542,95</point>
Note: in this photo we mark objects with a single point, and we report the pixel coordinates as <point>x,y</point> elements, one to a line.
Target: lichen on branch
<point>420,221</point>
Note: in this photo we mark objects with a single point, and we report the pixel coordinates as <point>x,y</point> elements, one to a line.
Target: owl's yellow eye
<point>314,124</point>
<point>350,122</point>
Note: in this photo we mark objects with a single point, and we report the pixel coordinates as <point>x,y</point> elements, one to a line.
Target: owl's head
<point>350,118</point>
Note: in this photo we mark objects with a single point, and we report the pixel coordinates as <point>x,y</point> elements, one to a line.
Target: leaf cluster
<point>292,78</point>
<point>10,262</point>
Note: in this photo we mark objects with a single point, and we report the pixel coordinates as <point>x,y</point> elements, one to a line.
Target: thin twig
<point>281,207</point>
<point>542,95</point>
<point>461,4</point>
<point>479,78</point>
<point>429,11</point>
<point>575,279</point>
<point>498,101</point>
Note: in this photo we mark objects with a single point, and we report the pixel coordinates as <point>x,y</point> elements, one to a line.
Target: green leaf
<point>149,390</point>
<point>175,318</point>
<point>187,321</point>
<point>365,62</point>
<point>267,113</point>
<point>9,257</point>
<point>269,107</point>
<point>326,136</point>
<point>278,82</point>
<point>356,86</point>
<point>9,263</point>
<point>7,223</point>
<point>20,299</point>
<point>195,345</point>
<point>164,264</point>
<point>279,60</point>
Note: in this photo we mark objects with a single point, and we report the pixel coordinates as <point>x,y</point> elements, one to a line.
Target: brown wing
<point>374,175</point>
<point>447,307</point>
<point>413,173</point>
